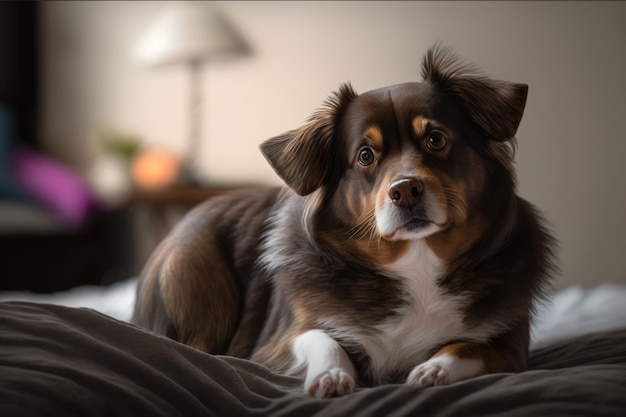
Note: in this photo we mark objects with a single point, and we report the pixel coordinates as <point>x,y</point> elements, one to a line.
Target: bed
<point>75,353</point>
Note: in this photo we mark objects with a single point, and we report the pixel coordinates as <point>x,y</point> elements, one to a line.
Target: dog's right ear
<point>303,157</point>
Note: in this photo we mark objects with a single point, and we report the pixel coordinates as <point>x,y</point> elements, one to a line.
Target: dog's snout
<point>406,192</point>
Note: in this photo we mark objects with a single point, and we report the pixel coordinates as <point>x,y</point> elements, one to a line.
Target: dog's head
<point>428,159</point>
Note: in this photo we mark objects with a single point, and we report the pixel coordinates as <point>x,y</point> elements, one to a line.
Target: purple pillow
<point>55,186</point>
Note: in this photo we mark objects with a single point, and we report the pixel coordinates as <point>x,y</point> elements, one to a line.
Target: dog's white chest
<point>428,318</point>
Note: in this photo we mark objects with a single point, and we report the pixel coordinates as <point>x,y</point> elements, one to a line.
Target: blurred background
<point>116,117</point>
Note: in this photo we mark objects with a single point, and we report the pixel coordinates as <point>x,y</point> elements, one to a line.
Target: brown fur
<point>181,284</point>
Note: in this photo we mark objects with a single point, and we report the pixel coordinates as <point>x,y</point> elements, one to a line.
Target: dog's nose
<point>406,192</point>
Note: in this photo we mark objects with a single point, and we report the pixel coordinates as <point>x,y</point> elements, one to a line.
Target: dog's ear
<point>496,107</point>
<point>303,157</point>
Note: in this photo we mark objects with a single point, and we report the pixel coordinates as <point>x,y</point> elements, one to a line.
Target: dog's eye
<point>436,141</point>
<point>366,156</point>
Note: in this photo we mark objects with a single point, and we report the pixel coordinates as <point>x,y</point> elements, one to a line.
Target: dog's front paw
<point>443,370</point>
<point>334,382</point>
<point>429,373</point>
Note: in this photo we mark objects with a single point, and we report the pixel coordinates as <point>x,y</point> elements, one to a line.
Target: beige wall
<point>572,54</point>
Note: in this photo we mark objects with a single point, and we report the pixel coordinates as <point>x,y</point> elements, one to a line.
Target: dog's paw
<point>443,370</point>
<point>334,382</point>
<point>428,374</point>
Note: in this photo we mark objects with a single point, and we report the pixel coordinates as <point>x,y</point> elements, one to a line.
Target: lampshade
<point>188,31</point>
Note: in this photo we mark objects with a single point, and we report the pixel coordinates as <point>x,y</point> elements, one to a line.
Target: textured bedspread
<point>62,361</point>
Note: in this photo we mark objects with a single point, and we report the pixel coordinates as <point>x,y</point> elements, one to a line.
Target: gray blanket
<point>61,361</point>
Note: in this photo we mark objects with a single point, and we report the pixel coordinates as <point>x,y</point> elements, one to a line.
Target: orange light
<point>155,169</point>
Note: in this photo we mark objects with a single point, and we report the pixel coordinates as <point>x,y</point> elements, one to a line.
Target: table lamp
<point>190,33</point>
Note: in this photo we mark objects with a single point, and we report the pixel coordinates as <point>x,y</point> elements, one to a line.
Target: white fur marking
<point>444,369</point>
<point>329,370</point>
<point>429,318</point>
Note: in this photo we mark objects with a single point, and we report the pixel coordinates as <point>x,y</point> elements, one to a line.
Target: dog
<point>398,250</point>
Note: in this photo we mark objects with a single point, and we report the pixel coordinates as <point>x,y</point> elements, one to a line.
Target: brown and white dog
<point>398,251</point>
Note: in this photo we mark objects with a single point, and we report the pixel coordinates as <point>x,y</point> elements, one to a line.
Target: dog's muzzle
<point>409,211</point>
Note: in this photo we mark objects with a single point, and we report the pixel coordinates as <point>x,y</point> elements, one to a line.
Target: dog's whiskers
<point>456,202</point>
<point>365,226</point>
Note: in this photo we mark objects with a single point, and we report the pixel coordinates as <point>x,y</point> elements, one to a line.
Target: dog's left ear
<point>303,157</point>
<point>496,107</point>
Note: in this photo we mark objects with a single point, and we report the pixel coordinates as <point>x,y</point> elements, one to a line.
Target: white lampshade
<point>188,31</point>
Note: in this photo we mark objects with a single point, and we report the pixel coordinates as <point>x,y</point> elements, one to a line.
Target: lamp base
<point>189,177</point>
